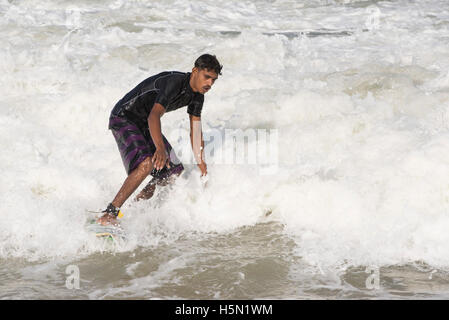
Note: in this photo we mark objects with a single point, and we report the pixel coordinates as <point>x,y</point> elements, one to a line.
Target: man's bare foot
<point>107,219</point>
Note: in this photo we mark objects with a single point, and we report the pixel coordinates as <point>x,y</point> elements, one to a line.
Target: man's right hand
<point>160,159</point>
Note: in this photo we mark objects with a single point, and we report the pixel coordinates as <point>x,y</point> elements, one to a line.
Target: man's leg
<point>149,189</point>
<point>130,185</point>
<point>132,182</point>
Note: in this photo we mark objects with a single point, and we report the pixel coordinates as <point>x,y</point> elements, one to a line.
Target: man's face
<point>202,80</point>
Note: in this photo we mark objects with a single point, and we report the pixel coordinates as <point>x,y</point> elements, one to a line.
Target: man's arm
<point>196,139</point>
<point>154,123</point>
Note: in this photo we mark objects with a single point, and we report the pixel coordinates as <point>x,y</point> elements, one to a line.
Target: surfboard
<point>110,232</point>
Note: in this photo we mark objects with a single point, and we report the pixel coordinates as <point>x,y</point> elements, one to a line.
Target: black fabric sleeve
<point>168,87</point>
<point>196,106</point>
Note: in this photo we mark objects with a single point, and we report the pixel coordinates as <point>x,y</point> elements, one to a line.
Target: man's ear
<point>194,70</point>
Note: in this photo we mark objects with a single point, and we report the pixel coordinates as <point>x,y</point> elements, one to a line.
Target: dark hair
<point>209,62</point>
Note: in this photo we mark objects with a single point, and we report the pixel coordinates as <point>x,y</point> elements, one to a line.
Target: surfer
<point>136,126</point>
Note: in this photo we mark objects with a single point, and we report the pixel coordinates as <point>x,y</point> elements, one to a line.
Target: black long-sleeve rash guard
<point>171,89</point>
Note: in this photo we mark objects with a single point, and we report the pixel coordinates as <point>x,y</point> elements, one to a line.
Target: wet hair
<point>209,62</point>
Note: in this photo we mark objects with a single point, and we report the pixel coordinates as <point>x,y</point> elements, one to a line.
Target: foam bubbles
<point>362,117</point>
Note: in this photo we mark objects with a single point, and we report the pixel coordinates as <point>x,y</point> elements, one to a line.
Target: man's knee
<point>145,166</point>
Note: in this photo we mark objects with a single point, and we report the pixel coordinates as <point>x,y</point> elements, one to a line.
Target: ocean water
<point>357,93</point>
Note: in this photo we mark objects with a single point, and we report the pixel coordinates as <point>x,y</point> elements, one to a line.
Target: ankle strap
<point>112,210</point>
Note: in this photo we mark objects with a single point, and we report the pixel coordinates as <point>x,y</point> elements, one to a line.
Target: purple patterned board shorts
<point>135,146</point>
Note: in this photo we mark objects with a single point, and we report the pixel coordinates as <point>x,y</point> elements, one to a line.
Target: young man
<point>136,126</point>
